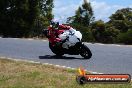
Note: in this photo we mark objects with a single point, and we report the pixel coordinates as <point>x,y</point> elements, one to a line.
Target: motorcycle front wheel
<point>56,50</point>
<point>85,52</point>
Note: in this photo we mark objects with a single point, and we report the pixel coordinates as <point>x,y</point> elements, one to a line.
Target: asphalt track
<point>107,58</point>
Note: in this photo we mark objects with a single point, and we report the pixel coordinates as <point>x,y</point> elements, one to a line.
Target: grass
<point>18,74</point>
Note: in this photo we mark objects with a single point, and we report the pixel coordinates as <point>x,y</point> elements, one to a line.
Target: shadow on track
<point>57,57</point>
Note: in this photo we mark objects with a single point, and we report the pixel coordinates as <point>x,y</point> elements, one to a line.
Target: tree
<point>83,15</point>
<point>23,18</point>
<point>104,32</point>
<point>98,29</point>
<point>45,15</point>
<point>3,5</point>
<point>125,38</point>
<point>17,17</point>
<point>46,10</point>
<point>122,19</point>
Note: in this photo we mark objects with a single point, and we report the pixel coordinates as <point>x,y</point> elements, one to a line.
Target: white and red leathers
<point>54,33</point>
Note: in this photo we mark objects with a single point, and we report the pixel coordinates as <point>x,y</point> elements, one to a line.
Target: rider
<point>56,29</point>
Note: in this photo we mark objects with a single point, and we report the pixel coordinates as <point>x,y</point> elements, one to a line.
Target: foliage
<point>122,19</point>
<point>17,17</point>
<point>42,21</point>
<point>83,15</point>
<point>98,29</point>
<point>20,18</point>
<point>125,37</point>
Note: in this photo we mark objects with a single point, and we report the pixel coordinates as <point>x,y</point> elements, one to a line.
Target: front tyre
<point>85,52</point>
<point>56,50</point>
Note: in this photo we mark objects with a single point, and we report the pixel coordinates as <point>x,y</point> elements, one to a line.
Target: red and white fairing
<point>73,37</point>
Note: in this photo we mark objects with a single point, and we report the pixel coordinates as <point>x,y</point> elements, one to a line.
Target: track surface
<point>106,58</point>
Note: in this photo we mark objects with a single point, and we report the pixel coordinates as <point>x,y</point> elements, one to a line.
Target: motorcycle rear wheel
<point>85,52</point>
<point>56,50</point>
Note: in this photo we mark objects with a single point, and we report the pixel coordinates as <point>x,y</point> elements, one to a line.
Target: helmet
<point>54,24</point>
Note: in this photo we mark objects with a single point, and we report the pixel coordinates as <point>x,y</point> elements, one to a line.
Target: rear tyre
<point>56,50</point>
<point>85,52</point>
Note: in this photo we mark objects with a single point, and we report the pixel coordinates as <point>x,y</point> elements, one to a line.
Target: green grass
<point>18,74</point>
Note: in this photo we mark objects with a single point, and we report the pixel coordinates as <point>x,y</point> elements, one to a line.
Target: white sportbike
<point>71,44</point>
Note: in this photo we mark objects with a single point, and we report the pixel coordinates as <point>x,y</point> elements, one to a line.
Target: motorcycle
<point>67,42</point>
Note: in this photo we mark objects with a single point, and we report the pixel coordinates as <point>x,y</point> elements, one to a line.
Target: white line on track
<point>109,44</point>
<point>30,39</point>
<point>29,61</point>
